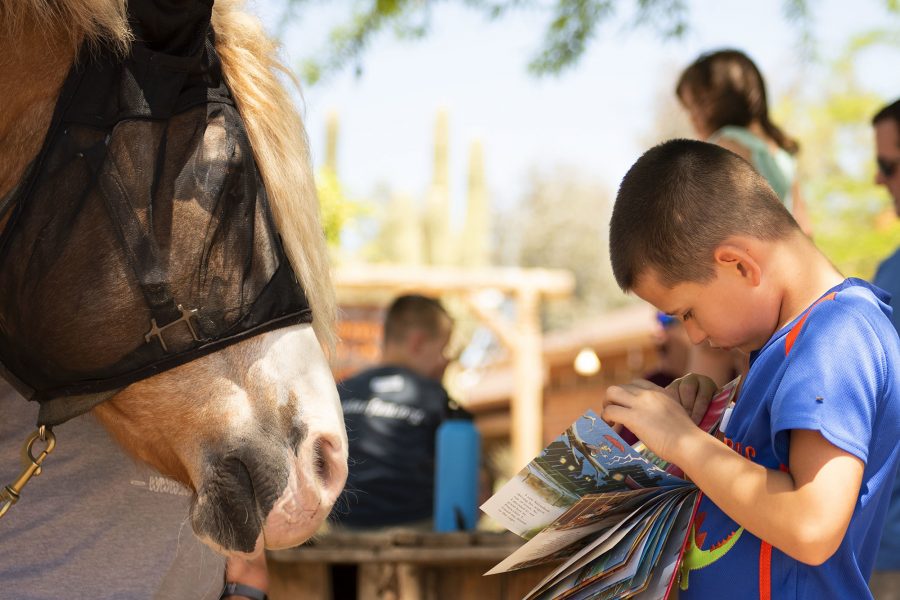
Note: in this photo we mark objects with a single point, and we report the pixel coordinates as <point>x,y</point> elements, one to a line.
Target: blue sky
<point>595,117</point>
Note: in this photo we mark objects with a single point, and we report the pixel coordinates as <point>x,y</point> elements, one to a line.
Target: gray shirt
<point>95,523</point>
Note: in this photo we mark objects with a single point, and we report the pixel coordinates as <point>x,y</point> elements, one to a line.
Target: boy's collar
<point>846,283</point>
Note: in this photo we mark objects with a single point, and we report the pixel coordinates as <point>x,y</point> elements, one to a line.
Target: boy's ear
<point>738,260</point>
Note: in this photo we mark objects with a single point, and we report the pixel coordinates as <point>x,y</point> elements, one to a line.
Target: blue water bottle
<point>457,454</point>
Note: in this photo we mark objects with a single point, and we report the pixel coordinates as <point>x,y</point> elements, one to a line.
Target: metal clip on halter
<point>156,330</point>
<point>10,494</point>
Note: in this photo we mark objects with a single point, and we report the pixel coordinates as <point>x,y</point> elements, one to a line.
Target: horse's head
<point>252,422</point>
<point>255,429</point>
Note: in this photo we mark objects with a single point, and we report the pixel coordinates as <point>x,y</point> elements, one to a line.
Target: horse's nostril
<point>321,461</point>
<point>330,464</point>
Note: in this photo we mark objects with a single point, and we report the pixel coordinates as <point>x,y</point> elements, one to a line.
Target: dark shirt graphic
<point>392,415</point>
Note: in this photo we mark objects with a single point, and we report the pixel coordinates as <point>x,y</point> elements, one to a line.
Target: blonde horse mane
<point>276,132</point>
<point>250,63</point>
<point>94,21</point>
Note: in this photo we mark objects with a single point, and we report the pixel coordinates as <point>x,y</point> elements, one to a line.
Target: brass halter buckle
<point>157,331</point>
<point>10,494</point>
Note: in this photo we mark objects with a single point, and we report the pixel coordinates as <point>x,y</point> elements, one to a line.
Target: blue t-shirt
<point>833,370</point>
<point>888,278</point>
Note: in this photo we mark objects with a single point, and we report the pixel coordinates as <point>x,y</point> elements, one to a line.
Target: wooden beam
<point>552,283</point>
<point>507,335</point>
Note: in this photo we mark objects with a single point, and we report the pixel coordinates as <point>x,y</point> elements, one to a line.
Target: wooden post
<point>526,410</point>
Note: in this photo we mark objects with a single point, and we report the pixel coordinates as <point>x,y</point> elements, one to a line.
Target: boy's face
<point>730,311</point>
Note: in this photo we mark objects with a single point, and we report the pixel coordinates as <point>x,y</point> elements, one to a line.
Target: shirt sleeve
<point>832,380</point>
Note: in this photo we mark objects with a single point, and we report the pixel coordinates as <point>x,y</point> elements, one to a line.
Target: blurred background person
<point>885,582</point>
<point>724,94</point>
<point>392,413</point>
<point>672,351</point>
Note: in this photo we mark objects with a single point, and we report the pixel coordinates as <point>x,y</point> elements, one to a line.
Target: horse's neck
<point>34,61</point>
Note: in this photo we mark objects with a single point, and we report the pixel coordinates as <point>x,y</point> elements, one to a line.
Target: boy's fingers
<point>672,391</point>
<point>704,396</point>
<point>618,395</point>
<point>698,410</point>
<point>644,384</point>
<point>691,411</point>
<point>687,391</point>
<point>613,413</point>
<point>623,390</point>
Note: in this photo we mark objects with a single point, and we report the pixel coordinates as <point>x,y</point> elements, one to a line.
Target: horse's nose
<point>329,458</point>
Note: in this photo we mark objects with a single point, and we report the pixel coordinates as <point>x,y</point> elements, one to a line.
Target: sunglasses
<point>887,167</point>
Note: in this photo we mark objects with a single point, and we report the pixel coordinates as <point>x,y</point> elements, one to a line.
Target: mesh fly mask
<point>141,238</point>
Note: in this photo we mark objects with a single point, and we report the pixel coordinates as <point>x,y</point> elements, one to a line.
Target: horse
<point>253,429</point>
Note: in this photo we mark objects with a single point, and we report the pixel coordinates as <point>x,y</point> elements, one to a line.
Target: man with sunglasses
<point>885,582</point>
<point>887,145</point>
<point>887,155</point>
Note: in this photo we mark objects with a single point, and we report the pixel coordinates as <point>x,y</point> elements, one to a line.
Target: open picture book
<point>616,516</point>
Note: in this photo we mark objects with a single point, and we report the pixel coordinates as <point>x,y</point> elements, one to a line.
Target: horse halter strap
<point>142,237</point>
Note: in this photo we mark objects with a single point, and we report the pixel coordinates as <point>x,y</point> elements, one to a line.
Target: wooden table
<point>402,565</point>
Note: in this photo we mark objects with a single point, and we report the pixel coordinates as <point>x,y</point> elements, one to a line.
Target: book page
<point>663,576</point>
<point>604,543</point>
<point>603,576</point>
<point>616,515</point>
<point>587,458</point>
<point>561,538</point>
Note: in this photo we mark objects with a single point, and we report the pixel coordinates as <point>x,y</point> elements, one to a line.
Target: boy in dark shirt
<point>392,413</point>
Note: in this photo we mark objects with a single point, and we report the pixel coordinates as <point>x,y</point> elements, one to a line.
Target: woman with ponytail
<point>725,95</point>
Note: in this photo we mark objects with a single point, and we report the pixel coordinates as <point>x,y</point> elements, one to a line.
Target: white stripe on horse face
<point>237,408</point>
<point>293,371</point>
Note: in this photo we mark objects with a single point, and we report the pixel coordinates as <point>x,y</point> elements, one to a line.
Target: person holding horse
<point>96,523</point>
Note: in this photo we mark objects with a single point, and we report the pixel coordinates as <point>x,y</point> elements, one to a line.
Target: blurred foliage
<point>336,209</point>
<point>571,25</point>
<point>853,218</point>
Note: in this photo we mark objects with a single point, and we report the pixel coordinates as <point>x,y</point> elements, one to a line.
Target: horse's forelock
<point>97,21</point>
<point>250,64</point>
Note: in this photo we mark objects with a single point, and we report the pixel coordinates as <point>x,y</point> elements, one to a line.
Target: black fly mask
<point>141,237</point>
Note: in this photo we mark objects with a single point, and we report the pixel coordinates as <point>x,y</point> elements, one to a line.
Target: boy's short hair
<point>679,202</point>
<point>413,311</point>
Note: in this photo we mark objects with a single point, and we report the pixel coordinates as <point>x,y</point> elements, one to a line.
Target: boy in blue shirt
<point>795,499</point>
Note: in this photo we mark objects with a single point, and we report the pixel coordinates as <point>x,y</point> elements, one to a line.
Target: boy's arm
<point>803,512</point>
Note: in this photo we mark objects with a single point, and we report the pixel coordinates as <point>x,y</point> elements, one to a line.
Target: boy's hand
<point>694,392</point>
<point>651,413</point>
